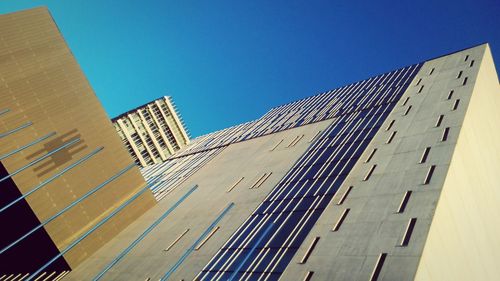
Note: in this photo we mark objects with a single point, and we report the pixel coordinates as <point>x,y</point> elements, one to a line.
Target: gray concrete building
<point>394,177</point>
<point>152,132</point>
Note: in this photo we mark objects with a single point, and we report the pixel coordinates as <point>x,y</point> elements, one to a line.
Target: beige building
<point>152,132</point>
<point>67,185</point>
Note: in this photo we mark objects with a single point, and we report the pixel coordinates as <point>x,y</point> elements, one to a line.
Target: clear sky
<point>227,62</point>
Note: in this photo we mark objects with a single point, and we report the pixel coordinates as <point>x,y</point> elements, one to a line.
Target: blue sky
<point>227,62</point>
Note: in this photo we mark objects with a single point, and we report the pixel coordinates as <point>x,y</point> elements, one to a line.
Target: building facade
<point>391,178</point>
<point>394,177</point>
<point>152,132</point>
<point>65,178</point>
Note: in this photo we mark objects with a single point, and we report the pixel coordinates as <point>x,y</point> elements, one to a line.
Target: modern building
<point>67,185</point>
<point>394,177</point>
<point>152,132</point>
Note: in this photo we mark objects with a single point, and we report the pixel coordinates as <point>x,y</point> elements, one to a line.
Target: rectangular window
<point>309,250</point>
<point>446,132</point>
<point>296,141</point>
<point>465,81</point>
<point>404,202</point>
<point>276,145</point>
<point>341,219</point>
<point>418,81</point>
<point>207,238</point>
<point>406,101</point>
<point>263,180</point>
<point>471,63</point>
<point>407,235</point>
<point>450,95</point>
<point>439,120</point>
<point>260,180</point>
<point>176,240</point>
<point>459,74</point>
<point>455,104</point>
<point>308,276</point>
<point>371,155</point>
<point>425,155</point>
<point>344,196</point>
<point>290,144</point>
<point>407,110</point>
<point>466,57</point>
<point>432,71</point>
<point>378,267</point>
<point>391,137</point>
<point>430,172</point>
<point>314,137</point>
<point>370,172</point>
<point>421,89</point>
<point>234,185</point>
<point>390,125</point>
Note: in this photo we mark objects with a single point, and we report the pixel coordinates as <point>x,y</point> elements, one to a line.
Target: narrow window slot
<point>314,137</point>
<point>390,125</point>
<point>276,145</point>
<point>207,238</point>
<point>234,185</point>
<point>432,71</point>
<point>450,94</point>
<point>406,101</point>
<point>391,137</point>
<point>296,141</point>
<point>378,267</point>
<point>466,57</point>
<point>465,81</point>
<point>421,89</point>
<point>439,120</point>
<point>446,132</point>
<point>404,202</point>
<point>344,196</point>
<point>263,180</point>
<point>460,74</point>
<point>430,172</point>
<point>371,155</point>
<point>291,143</point>
<point>309,250</point>
<point>176,240</point>
<point>370,172</point>
<point>424,156</point>
<point>148,279</point>
<point>309,275</point>
<point>455,104</point>
<point>260,180</point>
<point>341,219</point>
<point>471,63</point>
<point>38,278</point>
<point>418,82</point>
<point>407,110</point>
<point>407,235</point>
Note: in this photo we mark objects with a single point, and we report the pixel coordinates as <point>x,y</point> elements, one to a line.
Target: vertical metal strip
<point>40,159</point>
<point>54,177</point>
<point>143,235</point>
<point>191,249</point>
<point>74,203</point>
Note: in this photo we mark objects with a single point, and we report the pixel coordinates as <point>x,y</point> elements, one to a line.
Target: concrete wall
<point>463,242</point>
<point>248,159</point>
<point>372,225</point>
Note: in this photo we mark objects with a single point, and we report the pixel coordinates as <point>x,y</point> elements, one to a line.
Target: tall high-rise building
<point>152,132</point>
<point>66,183</point>
<point>394,177</point>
